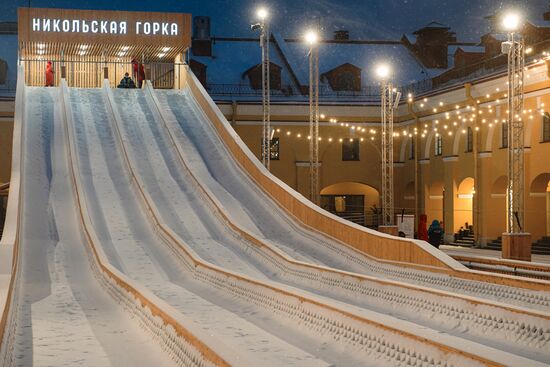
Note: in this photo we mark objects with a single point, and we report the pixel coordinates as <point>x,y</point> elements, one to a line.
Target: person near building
<point>435,233</point>
<point>139,72</point>
<point>126,82</point>
<point>49,74</point>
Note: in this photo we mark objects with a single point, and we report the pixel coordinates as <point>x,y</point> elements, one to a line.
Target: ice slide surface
<point>253,210</point>
<point>184,210</point>
<point>62,316</point>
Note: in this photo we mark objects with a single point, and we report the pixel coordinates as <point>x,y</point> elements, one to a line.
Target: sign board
<point>106,28</point>
<point>405,224</point>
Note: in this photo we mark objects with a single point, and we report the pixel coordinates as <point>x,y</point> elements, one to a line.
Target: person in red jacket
<point>49,74</point>
<point>139,72</point>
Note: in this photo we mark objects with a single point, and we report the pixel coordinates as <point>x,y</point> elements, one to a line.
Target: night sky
<point>365,19</point>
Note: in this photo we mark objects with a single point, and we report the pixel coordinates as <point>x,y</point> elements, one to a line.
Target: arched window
<point>504,135</point>
<point>545,127</point>
<point>469,140</point>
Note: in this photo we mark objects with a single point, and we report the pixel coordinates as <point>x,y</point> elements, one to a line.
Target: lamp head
<point>311,37</point>
<point>383,71</point>
<point>262,13</point>
<point>511,21</point>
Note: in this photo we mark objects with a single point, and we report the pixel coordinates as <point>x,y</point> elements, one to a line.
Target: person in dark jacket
<point>49,74</point>
<point>126,82</point>
<point>435,233</point>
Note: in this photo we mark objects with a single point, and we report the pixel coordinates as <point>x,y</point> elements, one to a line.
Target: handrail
<point>304,300</point>
<point>374,245</point>
<point>9,244</point>
<point>146,299</point>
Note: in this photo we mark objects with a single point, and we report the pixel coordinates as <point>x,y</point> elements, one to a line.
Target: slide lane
<point>251,209</point>
<point>121,223</point>
<point>62,315</point>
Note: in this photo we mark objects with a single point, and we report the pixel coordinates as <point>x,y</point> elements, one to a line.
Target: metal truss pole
<point>266,95</point>
<point>314,124</point>
<point>516,170</point>
<point>387,106</point>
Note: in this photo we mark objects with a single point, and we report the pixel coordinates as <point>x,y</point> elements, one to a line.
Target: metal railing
<point>91,73</point>
<point>8,88</point>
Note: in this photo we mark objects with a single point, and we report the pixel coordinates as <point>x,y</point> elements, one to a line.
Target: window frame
<point>438,146</point>
<point>504,135</point>
<point>275,141</point>
<point>355,144</point>
<point>545,133</point>
<point>469,140</point>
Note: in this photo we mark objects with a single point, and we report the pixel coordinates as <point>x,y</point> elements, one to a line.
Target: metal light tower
<point>263,27</point>
<point>386,107</point>
<point>514,48</point>
<point>311,39</point>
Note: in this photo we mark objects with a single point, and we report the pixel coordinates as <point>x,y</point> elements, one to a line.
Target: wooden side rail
<point>342,322</point>
<point>170,317</point>
<point>9,244</point>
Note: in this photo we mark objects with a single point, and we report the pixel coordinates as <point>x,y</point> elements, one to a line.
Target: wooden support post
<point>516,246</point>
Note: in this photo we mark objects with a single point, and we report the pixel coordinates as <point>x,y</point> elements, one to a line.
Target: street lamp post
<point>516,243</point>
<point>263,27</point>
<point>312,40</point>
<point>387,106</point>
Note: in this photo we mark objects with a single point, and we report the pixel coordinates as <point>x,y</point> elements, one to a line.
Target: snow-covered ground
<point>63,317</point>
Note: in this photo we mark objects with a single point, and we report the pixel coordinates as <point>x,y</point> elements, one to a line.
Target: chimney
<point>547,14</point>
<point>202,43</point>
<point>431,44</point>
<point>342,35</point>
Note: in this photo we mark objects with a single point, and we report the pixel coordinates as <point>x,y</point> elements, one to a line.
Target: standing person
<point>435,233</point>
<point>139,72</point>
<point>49,74</point>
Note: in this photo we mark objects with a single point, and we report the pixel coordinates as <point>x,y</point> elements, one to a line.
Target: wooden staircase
<point>541,247</point>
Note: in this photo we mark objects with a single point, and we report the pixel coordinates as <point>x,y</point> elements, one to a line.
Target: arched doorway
<point>537,208</point>
<point>463,205</point>
<point>354,201</point>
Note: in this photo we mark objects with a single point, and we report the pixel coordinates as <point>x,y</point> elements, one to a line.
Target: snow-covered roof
<point>472,49</point>
<point>231,58</point>
<point>433,25</point>
<point>541,23</point>
<point>498,36</point>
<point>366,56</point>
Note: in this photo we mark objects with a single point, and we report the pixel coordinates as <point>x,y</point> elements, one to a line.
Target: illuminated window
<point>273,150</point>
<point>546,127</point>
<point>469,140</point>
<point>504,135</point>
